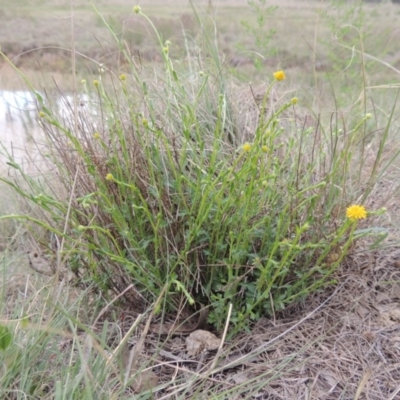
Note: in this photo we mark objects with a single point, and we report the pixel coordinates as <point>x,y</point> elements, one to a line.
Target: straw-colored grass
<point>175,194</point>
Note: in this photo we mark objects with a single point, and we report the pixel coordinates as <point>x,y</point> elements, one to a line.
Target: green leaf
<point>373,230</point>
<point>13,164</point>
<point>39,97</point>
<point>5,337</point>
<point>381,233</point>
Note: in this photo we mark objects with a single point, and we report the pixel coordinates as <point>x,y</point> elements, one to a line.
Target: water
<point>20,134</point>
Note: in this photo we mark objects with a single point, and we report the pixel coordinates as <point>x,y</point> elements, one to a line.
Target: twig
<point>124,339</point>
<point>137,348</point>
<point>221,346</point>
<point>395,393</point>
<point>109,304</point>
<point>362,384</point>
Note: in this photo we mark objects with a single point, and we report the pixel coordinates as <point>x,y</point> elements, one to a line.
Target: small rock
<point>199,341</point>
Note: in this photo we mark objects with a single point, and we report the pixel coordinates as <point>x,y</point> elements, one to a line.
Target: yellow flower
<point>279,75</point>
<point>355,212</point>
<point>294,101</point>
<point>246,147</point>
<point>122,77</point>
<point>96,135</point>
<point>96,82</point>
<point>264,149</point>
<point>41,114</point>
<point>136,9</point>
<point>145,122</point>
<point>109,177</point>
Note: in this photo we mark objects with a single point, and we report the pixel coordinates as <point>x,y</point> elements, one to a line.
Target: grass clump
<point>157,186</point>
<point>57,354</point>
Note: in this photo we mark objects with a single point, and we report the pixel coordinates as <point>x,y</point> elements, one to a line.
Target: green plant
<point>48,352</point>
<point>157,187</point>
<point>261,33</point>
<point>5,337</point>
<point>351,50</point>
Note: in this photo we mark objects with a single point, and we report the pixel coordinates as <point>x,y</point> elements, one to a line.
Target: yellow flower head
<point>294,101</point>
<point>122,77</point>
<point>42,114</point>
<point>246,147</point>
<point>109,177</point>
<point>355,212</point>
<point>136,9</point>
<point>96,82</point>
<point>96,135</point>
<point>264,149</point>
<point>279,75</point>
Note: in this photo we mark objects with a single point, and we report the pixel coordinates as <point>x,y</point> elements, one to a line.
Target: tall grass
<point>161,185</point>
<point>160,189</point>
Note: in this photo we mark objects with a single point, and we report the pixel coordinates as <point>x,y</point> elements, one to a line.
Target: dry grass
<point>341,343</point>
<point>39,36</point>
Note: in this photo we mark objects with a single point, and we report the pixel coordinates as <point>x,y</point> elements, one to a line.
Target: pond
<point>21,136</point>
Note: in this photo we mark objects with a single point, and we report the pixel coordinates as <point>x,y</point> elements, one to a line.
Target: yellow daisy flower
<point>355,212</point>
<point>246,147</point>
<point>279,75</point>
